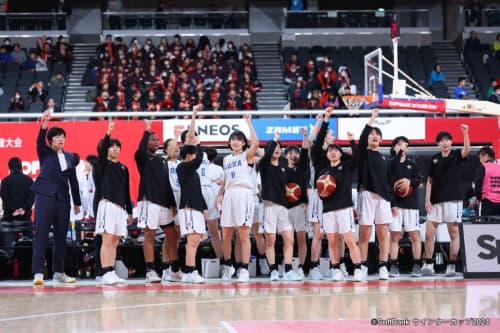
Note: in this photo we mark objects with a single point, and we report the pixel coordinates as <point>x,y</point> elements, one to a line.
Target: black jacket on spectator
<point>15,191</point>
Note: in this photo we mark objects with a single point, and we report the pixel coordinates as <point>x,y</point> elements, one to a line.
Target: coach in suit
<point>52,202</point>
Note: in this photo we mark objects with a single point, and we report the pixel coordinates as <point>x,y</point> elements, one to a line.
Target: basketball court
<point>434,304</point>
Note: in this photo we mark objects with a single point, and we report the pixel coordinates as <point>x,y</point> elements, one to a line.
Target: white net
<point>353,102</point>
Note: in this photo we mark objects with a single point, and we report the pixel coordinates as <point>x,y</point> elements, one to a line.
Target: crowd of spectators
<point>174,75</point>
<point>317,84</point>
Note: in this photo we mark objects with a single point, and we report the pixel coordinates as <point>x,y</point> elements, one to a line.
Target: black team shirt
<point>318,155</point>
<point>111,180</point>
<point>374,169</point>
<point>154,184</point>
<point>300,174</point>
<point>273,177</point>
<point>189,180</point>
<point>342,196</point>
<point>407,169</point>
<point>446,177</point>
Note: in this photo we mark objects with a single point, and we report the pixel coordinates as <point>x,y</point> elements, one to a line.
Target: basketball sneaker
<point>383,273</point>
<point>364,270</point>
<point>300,272</point>
<point>450,270</point>
<point>244,276</point>
<point>315,274</point>
<point>165,275</point>
<point>62,278</point>
<point>38,279</point>
<point>264,266</point>
<point>275,275</point>
<point>192,277</point>
<point>175,276</point>
<point>110,278</point>
<point>228,273</point>
<point>152,277</point>
<point>358,275</point>
<point>428,270</point>
<point>394,271</point>
<point>291,276</point>
<point>343,268</point>
<point>337,275</point>
<point>416,271</point>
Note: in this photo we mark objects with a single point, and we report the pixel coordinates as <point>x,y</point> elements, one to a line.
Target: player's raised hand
<point>45,119</point>
<point>350,135</point>
<point>304,132</point>
<point>276,135</point>
<point>319,118</point>
<point>111,127</point>
<point>464,128</point>
<point>248,118</point>
<point>147,124</point>
<point>374,113</point>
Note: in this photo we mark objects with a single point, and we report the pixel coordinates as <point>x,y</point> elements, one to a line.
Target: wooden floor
<point>435,304</point>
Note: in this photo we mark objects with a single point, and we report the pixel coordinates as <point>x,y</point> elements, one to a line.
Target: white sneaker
<point>244,276</point>
<point>38,279</point>
<point>175,276</point>
<point>383,273</point>
<point>315,274</point>
<point>62,278</point>
<point>228,273</point>
<point>192,277</point>
<point>428,269</point>
<point>275,275</point>
<point>264,266</point>
<point>337,275</point>
<point>364,270</point>
<point>343,268</point>
<point>300,273</point>
<point>291,276</point>
<point>164,275</point>
<point>152,277</point>
<point>110,278</point>
<point>358,275</point>
<point>98,279</point>
<point>450,270</point>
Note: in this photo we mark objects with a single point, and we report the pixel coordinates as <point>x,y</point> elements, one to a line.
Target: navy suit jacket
<point>52,181</point>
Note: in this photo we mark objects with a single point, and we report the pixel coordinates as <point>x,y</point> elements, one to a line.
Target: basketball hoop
<point>354,102</point>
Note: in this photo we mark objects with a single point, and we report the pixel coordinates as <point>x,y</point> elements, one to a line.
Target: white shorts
<point>209,196</point>
<point>298,218</point>
<point>339,221</point>
<point>407,218</point>
<point>373,208</point>
<point>276,218</point>
<point>151,215</point>
<point>191,221</point>
<point>111,219</point>
<point>448,212</point>
<point>315,207</point>
<point>258,212</point>
<point>237,208</point>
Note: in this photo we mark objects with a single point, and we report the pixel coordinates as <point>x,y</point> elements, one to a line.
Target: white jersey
<point>215,172</point>
<point>205,179</point>
<point>172,174</point>
<point>237,172</point>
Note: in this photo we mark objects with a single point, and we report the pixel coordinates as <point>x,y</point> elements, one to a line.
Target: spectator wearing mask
<point>16,194</point>
<point>17,103</point>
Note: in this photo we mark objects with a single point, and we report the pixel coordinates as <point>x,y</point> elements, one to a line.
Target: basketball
<point>293,192</point>
<point>326,185</point>
<point>400,191</point>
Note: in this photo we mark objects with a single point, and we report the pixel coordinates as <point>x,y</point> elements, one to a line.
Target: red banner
<point>82,137</point>
<point>414,104</point>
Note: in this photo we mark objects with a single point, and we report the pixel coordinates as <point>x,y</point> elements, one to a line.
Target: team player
<point>443,197</point>
<point>299,173</point>
<point>408,218</point>
<point>192,206</point>
<point>236,198</point>
<point>375,195</point>
<point>156,203</point>
<point>115,208</point>
<point>487,183</point>
<point>172,232</point>
<point>338,216</point>
<point>274,178</point>
<point>215,174</point>
<point>319,160</point>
